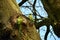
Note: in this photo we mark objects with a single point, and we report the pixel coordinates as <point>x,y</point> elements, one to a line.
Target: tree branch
<point>22,2</point>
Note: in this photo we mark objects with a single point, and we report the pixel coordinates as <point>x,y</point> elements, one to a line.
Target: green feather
<point>19,20</point>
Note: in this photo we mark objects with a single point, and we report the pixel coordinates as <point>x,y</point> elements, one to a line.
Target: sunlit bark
<point>9,10</point>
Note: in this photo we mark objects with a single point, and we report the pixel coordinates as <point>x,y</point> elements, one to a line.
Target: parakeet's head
<point>19,20</point>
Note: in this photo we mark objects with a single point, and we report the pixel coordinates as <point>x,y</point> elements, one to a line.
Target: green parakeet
<point>19,20</point>
<point>19,23</point>
<point>30,17</point>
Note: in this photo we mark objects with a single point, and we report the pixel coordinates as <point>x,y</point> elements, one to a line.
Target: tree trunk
<point>9,11</point>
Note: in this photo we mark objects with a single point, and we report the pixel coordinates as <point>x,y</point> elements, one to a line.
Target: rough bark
<point>9,11</point>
